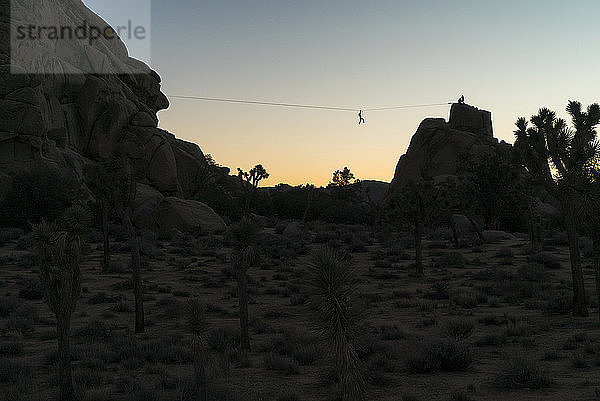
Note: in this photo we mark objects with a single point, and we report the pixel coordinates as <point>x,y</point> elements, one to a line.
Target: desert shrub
<point>8,305</point>
<point>11,348</point>
<point>469,299</point>
<point>438,291</point>
<point>122,307</point>
<point>559,303</point>
<point>523,372</point>
<point>389,332</point>
<point>289,397</point>
<point>459,329</point>
<point>164,351</point>
<point>297,344</point>
<point>273,361</point>
<point>576,340</point>
<point>440,354</point>
<point>102,298</point>
<point>10,370</point>
<point>450,260</point>
<point>31,289</point>
<point>40,193</point>
<point>491,340</point>
<point>96,331</point>
<point>533,272</point>
<point>547,259</point>
<point>223,339</point>
<point>579,361</point>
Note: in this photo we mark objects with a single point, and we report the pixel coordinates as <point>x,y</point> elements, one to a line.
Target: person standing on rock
<point>361,120</point>
<point>461,100</point>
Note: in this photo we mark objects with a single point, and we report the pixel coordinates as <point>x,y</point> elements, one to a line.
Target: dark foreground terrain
<point>489,322</point>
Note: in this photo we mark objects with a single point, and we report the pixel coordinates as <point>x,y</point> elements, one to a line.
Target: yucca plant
<point>245,254</point>
<point>332,285</point>
<point>195,313</point>
<point>59,247</point>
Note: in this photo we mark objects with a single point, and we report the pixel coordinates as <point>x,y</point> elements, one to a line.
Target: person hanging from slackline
<point>361,120</point>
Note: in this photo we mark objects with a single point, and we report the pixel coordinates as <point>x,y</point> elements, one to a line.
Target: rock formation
<point>435,148</point>
<point>102,101</point>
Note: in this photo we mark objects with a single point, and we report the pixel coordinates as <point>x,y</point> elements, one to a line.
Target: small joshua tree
<point>195,313</point>
<point>59,247</point>
<point>244,256</point>
<point>333,286</point>
<point>250,180</point>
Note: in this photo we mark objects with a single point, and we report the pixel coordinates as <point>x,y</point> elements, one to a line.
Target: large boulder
<point>85,97</point>
<point>436,147</point>
<point>187,216</point>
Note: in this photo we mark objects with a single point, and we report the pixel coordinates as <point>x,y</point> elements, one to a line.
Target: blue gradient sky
<point>510,57</point>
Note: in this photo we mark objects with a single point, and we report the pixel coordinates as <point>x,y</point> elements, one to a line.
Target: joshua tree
<point>588,211</point>
<point>418,204</point>
<point>250,181</point>
<point>560,158</point>
<point>108,187</point>
<point>244,256</point>
<point>126,211</point>
<point>195,313</point>
<point>113,184</point>
<point>59,247</point>
<point>333,286</point>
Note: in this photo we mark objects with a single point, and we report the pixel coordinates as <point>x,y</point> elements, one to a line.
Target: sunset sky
<point>509,57</point>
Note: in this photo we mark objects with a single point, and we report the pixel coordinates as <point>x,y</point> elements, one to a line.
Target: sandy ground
<point>514,307</point>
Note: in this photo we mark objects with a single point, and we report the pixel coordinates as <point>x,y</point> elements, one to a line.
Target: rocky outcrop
<point>93,108</point>
<point>435,148</point>
<point>75,102</point>
<point>187,216</point>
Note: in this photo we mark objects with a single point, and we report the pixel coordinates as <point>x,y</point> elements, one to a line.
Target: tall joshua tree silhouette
<point>561,158</point>
<point>60,247</point>
<point>113,184</point>
<point>245,255</point>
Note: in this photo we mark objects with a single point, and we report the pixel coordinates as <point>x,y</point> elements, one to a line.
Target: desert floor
<point>503,314</point>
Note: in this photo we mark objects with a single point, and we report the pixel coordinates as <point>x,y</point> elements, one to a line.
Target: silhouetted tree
<point>418,204</point>
<point>36,194</point>
<point>490,179</point>
<point>343,178</point>
<point>250,182</point>
<point>561,157</point>
<point>108,186</point>
<point>195,313</point>
<point>59,247</point>
<point>345,184</point>
<point>118,180</point>
<point>245,254</point>
<point>587,203</point>
<point>333,287</point>
<point>309,189</point>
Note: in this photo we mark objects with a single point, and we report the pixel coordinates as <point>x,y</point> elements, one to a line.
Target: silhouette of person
<point>461,100</point>
<point>361,120</point>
